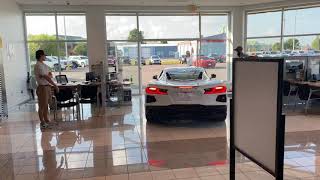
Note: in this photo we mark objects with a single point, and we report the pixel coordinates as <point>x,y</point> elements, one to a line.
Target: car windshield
<point>155,57</point>
<point>185,74</point>
<point>205,58</point>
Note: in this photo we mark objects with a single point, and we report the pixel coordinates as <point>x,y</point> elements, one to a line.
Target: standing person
<point>43,78</point>
<point>240,54</point>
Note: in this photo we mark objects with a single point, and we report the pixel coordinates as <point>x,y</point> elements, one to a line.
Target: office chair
<point>66,98</point>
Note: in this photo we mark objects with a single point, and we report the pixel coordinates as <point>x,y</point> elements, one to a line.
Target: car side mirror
<point>213,76</point>
<point>155,77</point>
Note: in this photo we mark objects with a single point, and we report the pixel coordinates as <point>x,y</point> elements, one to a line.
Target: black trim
<point>280,136</point>
<point>280,129</point>
<point>255,161</point>
<point>199,112</point>
<point>232,152</point>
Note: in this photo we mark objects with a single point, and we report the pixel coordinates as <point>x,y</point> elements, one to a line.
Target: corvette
<point>185,91</point>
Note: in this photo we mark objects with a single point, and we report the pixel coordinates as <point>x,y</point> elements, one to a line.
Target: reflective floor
<point>116,143</point>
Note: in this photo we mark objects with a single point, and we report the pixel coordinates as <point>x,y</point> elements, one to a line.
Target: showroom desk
<point>313,85</point>
<point>76,87</point>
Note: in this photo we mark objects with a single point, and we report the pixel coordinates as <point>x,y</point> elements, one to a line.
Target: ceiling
<point>147,2</point>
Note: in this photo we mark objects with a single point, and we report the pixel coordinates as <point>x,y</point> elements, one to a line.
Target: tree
<point>291,44</point>
<point>316,43</point>
<point>50,48</point>
<point>276,47</point>
<point>81,49</point>
<point>135,35</point>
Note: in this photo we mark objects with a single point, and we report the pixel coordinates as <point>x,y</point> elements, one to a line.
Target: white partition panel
<point>255,110</point>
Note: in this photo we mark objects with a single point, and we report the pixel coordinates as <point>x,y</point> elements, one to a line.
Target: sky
<point>75,25</point>
<point>118,27</point>
<point>164,27</point>
<point>303,21</point>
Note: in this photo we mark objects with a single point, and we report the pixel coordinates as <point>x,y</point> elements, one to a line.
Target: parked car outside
<point>53,63</point>
<point>111,60</point>
<point>155,60</point>
<point>82,61</point>
<point>205,62</point>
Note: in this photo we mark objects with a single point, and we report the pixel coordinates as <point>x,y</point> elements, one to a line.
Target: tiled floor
<point>117,144</point>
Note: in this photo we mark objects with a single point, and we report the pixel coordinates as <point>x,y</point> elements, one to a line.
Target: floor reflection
<point>118,141</point>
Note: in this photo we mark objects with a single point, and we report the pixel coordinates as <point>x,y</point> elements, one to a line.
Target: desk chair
<point>62,79</point>
<point>307,94</point>
<point>66,99</point>
<point>88,95</point>
<point>289,90</point>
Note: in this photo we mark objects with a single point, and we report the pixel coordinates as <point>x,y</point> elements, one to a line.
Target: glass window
<point>264,24</point>
<point>50,49</point>
<point>169,27</point>
<point>124,56</point>
<point>306,45</point>
<point>74,61</point>
<point>302,21</point>
<point>264,47</point>
<point>213,25</point>
<point>42,34</point>
<point>314,68</point>
<point>72,27</point>
<point>214,37</point>
<point>185,74</point>
<point>121,27</point>
<point>41,27</point>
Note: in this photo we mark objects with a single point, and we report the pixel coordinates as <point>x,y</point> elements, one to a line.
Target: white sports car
<point>185,91</point>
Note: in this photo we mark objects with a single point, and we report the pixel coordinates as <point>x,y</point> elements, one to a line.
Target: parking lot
<point>148,71</point>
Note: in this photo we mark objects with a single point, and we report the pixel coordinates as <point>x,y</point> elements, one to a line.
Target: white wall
<point>15,65</point>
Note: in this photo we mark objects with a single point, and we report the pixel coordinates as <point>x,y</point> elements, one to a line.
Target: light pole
<point>65,37</point>
<point>294,33</point>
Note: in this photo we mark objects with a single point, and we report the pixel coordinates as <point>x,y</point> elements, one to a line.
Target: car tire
<point>150,63</point>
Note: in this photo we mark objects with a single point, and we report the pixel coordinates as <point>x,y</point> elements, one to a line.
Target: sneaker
<point>44,125</point>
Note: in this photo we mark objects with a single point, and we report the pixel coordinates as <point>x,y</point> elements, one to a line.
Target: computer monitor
<point>90,76</point>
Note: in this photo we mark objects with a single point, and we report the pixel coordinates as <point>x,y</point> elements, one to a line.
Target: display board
<point>257,101</point>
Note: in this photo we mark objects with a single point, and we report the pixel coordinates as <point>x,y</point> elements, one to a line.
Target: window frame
<point>57,41</point>
<point>282,35</point>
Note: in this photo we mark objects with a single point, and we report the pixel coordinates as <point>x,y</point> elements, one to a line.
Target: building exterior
<point>148,50</point>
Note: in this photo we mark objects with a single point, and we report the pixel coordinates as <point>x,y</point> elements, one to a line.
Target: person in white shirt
<point>43,77</point>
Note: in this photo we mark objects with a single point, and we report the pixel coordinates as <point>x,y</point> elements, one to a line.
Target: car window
<point>205,58</point>
<point>185,74</point>
<point>160,74</point>
<point>83,58</point>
